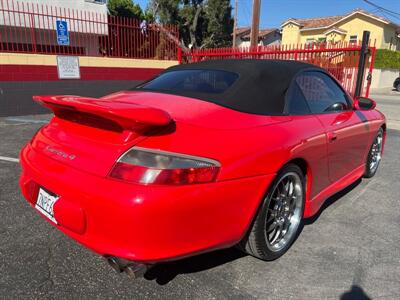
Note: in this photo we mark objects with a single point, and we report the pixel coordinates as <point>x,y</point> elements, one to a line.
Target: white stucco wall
<point>93,14</point>
<point>89,6</point>
<point>382,78</point>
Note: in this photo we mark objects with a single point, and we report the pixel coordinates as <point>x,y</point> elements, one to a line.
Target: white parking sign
<point>68,67</point>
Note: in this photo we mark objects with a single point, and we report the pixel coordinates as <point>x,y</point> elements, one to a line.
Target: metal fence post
<point>362,63</point>
<point>179,55</point>
<point>33,34</point>
<point>371,68</point>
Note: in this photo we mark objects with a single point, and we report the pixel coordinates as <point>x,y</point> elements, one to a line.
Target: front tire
<point>374,155</point>
<point>280,218</point>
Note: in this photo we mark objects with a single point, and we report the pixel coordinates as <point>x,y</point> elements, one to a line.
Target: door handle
<point>332,136</point>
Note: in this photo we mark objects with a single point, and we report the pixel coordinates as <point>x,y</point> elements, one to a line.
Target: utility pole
<point>255,23</point>
<point>235,25</point>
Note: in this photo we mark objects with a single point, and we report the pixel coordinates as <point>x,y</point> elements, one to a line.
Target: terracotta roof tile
<point>262,33</point>
<point>317,22</point>
<point>242,30</point>
<point>325,22</point>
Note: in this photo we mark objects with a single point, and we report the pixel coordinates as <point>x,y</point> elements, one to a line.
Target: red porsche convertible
<point>204,156</point>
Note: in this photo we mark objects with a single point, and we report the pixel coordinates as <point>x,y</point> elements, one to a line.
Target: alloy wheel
<point>376,152</point>
<point>284,211</point>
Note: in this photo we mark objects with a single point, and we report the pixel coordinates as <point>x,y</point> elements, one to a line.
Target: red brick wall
<point>49,73</point>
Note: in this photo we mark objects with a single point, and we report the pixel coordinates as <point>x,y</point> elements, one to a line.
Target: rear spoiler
<point>128,115</point>
<point>133,118</point>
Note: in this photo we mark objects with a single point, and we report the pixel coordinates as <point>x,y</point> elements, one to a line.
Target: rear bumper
<point>143,223</point>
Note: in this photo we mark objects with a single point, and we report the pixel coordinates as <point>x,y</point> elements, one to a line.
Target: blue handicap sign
<point>62,33</point>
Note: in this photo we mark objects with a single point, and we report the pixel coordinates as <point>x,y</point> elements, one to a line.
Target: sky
<point>274,12</point>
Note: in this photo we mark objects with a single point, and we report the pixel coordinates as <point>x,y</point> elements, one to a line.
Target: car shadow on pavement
<point>328,202</point>
<point>166,272</point>
<point>355,293</point>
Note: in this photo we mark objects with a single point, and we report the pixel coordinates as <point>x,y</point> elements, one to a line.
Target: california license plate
<point>45,204</point>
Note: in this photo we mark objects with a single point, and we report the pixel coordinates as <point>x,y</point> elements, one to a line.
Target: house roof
<point>314,22</point>
<point>326,22</point>
<point>262,33</point>
<point>335,29</point>
<point>242,30</point>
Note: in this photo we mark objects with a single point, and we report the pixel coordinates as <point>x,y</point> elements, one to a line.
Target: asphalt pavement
<point>389,104</point>
<point>350,250</point>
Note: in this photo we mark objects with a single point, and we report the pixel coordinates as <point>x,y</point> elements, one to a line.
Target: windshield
<point>192,81</point>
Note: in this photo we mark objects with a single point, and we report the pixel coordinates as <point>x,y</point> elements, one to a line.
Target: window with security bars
<point>353,39</point>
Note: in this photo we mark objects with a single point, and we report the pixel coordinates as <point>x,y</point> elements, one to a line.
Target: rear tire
<point>374,155</point>
<point>280,218</point>
<point>398,87</point>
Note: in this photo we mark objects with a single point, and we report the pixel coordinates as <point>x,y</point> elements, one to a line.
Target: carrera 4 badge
<point>60,153</point>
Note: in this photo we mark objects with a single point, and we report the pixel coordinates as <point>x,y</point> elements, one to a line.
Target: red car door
<point>347,131</point>
<point>346,136</point>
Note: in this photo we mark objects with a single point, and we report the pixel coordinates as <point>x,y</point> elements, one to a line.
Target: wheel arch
<point>307,172</point>
<point>305,169</point>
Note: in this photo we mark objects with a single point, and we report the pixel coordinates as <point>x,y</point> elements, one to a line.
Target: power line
<point>391,12</point>
<point>246,12</point>
<point>388,15</point>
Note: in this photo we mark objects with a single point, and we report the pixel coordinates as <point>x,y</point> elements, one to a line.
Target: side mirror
<point>363,103</point>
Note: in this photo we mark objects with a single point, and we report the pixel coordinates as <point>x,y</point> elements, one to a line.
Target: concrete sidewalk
<point>388,91</point>
<point>389,104</point>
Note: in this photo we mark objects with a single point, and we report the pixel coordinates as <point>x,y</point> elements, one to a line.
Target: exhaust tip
<point>134,270</point>
<point>115,264</point>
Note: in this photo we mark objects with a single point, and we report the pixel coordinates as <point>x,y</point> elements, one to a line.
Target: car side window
<point>297,102</point>
<point>322,93</point>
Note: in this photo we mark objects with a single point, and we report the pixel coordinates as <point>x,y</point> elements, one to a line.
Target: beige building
<point>347,28</point>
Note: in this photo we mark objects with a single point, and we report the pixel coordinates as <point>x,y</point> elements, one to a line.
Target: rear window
<point>192,81</point>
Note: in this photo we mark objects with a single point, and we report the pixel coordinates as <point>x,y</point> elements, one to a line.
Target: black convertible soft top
<point>259,86</point>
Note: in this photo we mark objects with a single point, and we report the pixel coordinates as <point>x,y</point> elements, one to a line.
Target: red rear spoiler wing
<point>128,115</point>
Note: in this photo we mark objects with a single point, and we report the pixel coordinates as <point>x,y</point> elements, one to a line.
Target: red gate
<point>341,59</point>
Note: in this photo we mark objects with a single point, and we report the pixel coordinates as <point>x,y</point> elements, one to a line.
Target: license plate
<point>45,203</point>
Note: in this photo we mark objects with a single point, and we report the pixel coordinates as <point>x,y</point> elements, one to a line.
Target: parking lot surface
<point>350,250</point>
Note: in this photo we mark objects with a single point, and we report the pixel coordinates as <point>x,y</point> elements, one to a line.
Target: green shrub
<point>387,59</point>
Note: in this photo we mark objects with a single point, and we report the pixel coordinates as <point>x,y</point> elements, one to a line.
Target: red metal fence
<point>341,59</point>
<point>31,28</point>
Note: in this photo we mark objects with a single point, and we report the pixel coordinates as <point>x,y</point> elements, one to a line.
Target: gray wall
<point>382,78</point>
<point>16,96</point>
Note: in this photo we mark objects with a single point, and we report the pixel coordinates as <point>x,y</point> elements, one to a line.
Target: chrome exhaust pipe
<point>116,264</point>
<point>134,270</point>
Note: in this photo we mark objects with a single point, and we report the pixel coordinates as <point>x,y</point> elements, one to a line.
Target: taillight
<point>145,166</point>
